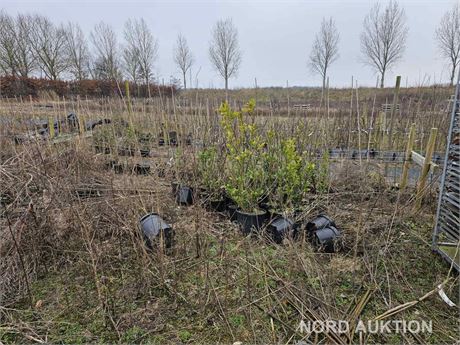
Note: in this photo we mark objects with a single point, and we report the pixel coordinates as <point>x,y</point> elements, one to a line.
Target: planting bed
<point>82,259</point>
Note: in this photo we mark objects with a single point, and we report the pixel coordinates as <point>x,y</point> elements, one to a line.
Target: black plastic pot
<point>188,140</point>
<point>161,142</point>
<point>173,138</point>
<point>215,203</point>
<point>281,227</point>
<point>231,209</point>
<point>318,223</point>
<point>142,169</point>
<point>102,149</point>
<point>184,195</point>
<point>116,166</point>
<point>174,187</point>
<point>326,238</point>
<point>161,172</point>
<point>251,221</point>
<point>145,152</point>
<point>126,151</point>
<point>84,193</point>
<point>153,228</point>
<point>6,198</point>
<point>372,153</point>
<point>98,149</point>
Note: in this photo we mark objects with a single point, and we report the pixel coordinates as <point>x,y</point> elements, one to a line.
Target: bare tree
<point>183,57</point>
<point>27,62</point>
<point>383,39</point>
<point>140,46</point>
<point>48,42</point>
<point>448,37</point>
<point>8,50</point>
<point>106,63</point>
<point>77,51</point>
<point>224,51</point>
<point>325,49</point>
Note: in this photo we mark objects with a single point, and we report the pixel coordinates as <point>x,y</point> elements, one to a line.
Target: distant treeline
<point>11,87</point>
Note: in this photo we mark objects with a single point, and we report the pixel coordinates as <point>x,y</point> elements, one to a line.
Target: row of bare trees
<point>32,43</point>
<point>383,40</point>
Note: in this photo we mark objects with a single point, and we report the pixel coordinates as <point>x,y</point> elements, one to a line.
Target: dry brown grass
<point>76,269</point>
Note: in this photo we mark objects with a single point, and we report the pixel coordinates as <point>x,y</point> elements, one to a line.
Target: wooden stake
<point>407,157</point>
<point>426,167</point>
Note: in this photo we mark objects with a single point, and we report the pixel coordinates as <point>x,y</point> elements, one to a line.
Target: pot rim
<point>261,213</point>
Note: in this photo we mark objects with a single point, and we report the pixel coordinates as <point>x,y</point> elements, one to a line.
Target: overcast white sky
<point>275,36</point>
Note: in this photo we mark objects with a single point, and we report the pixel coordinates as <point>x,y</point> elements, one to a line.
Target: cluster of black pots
<point>122,151</point>
<point>84,193</point>
<point>323,232</point>
<point>115,166</point>
<point>126,151</point>
<point>102,149</point>
<point>142,168</point>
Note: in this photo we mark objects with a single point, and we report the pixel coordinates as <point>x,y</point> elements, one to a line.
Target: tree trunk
<point>324,81</point>
<point>452,75</point>
<point>382,80</point>
<point>226,88</point>
<point>185,81</point>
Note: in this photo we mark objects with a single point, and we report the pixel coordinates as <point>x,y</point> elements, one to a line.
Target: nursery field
<point>188,219</point>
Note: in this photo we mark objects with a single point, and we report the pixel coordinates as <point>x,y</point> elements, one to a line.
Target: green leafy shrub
<point>244,163</point>
<point>210,162</point>
<point>295,175</point>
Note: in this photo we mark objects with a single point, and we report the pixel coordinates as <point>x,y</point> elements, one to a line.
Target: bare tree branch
<point>325,49</point>
<point>8,49</point>
<point>383,39</point>
<point>448,37</point>
<point>48,42</point>
<point>27,62</point>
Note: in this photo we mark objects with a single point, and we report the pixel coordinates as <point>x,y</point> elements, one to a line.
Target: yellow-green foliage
<point>244,163</point>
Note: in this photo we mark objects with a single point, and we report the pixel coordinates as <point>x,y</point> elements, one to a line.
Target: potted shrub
<point>180,186</point>
<point>293,178</point>
<point>128,143</point>
<point>245,172</point>
<point>145,140</point>
<point>210,162</point>
<point>104,140</point>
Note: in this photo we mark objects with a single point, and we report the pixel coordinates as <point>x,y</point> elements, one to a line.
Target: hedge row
<point>25,87</point>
